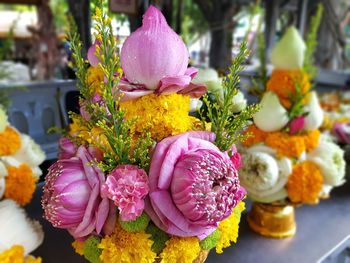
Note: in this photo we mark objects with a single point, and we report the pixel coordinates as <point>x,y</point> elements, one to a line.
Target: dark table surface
<point>319,230</point>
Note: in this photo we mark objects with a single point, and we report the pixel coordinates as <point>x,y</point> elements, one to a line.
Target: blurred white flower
<point>272,116</point>
<point>3,119</point>
<point>239,102</point>
<point>3,173</point>
<point>30,152</point>
<point>264,176</point>
<point>314,118</point>
<point>329,157</point>
<point>17,229</point>
<point>289,52</point>
<point>195,105</point>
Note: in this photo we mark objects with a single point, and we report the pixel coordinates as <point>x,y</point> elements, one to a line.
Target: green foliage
<point>91,251</point>
<point>226,125</point>
<point>159,238</point>
<point>137,225</point>
<point>210,241</point>
<point>311,42</point>
<point>59,9</point>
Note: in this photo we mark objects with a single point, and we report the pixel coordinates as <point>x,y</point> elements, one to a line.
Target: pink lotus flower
<point>297,124</point>
<point>155,59</point>
<point>67,148</point>
<point>93,60</point>
<point>193,185</point>
<point>236,158</point>
<point>127,186</point>
<point>72,197</point>
<point>342,132</point>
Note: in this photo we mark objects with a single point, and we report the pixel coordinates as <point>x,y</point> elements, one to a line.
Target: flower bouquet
<point>138,179</point>
<point>20,158</point>
<point>286,162</point>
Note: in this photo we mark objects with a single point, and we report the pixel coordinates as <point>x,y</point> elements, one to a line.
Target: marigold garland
<point>15,254</point>
<point>10,141</point>
<point>305,183</point>
<point>257,135</point>
<point>312,139</point>
<point>20,184</point>
<point>124,247</point>
<point>283,83</point>
<point>229,228</point>
<point>163,115</point>
<point>286,145</point>
<point>180,249</point>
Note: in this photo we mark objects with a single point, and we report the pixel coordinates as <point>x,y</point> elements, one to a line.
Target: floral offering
<point>138,179</point>
<point>20,158</point>
<point>287,159</point>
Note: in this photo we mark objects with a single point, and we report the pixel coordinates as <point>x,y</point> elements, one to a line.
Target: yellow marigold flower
<point>312,139</point>
<point>10,141</point>
<point>126,247</point>
<point>180,249</point>
<point>15,254</point>
<point>286,145</point>
<point>77,126</point>
<point>283,83</point>
<point>257,135</point>
<point>78,247</point>
<point>163,115</point>
<point>229,228</point>
<point>20,184</point>
<point>95,80</point>
<point>305,183</point>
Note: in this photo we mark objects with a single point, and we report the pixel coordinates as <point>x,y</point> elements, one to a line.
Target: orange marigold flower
<point>257,135</point>
<point>312,139</point>
<point>305,183</point>
<point>10,141</point>
<point>286,145</point>
<point>20,184</point>
<point>283,83</point>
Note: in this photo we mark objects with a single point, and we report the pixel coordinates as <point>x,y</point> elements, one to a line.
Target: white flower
<point>264,176</point>
<point>272,116</point>
<point>314,118</point>
<point>30,152</point>
<point>3,119</point>
<point>211,79</point>
<point>3,174</point>
<point>17,229</point>
<point>239,102</point>
<point>329,157</point>
<point>195,105</point>
<point>11,161</point>
<point>289,52</point>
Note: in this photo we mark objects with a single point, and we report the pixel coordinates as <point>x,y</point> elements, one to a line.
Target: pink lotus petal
<point>108,227</point>
<point>93,60</point>
<point>194,90</point>
<point>191,71</point>
<point>102,214</point>
<point>169,85</point>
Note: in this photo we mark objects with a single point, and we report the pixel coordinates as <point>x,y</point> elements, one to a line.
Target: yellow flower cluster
<point>78,247</point>
<point>305,183</point>
<point>95,80</point>
<point>180,249</point>
<point>10,141</point>
<point>125,247</point>
<point>229,228</point>
<point>162,115</point>
<point>20,184</point>
<point>16,255</point>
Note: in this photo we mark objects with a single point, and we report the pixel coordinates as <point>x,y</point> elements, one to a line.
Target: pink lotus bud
<point>153,52</point>
<point>67,148</point>
<point>297,125</point>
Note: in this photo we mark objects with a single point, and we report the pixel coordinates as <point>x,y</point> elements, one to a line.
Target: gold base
<point>272,220</point>
<point>202,256</point>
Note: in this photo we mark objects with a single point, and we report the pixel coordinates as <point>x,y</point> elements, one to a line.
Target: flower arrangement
<point>20,158</point>
<point>287,160</point>
<point>138,179</point>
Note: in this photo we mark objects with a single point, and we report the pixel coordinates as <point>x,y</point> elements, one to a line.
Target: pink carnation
<point>127,186</point>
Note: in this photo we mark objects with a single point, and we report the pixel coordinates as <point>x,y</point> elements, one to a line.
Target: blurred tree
<point>219,14</point>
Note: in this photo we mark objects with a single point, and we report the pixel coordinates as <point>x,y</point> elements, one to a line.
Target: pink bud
<point>297,125</point>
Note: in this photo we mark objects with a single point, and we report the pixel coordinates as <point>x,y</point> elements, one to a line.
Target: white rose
<point>272,116</point>
<point>3,119</point>
<point>239,102</point>
<point>329,157</point>
<point>264,176</point>
<point>17,229</point>
<point>195,105</point>
<point>289,52</point>
<point>314,119</point>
